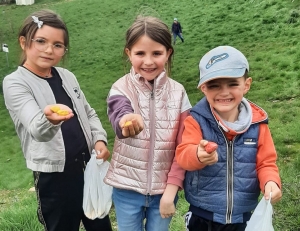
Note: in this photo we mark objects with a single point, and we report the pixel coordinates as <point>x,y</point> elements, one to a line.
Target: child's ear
<point>22,42</point>
<point>128,53</point>
<point>170,51</point>
<point>247,85</point>
<point>203,88</point>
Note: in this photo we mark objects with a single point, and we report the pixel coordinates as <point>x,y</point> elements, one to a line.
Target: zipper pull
<point>152,94</point>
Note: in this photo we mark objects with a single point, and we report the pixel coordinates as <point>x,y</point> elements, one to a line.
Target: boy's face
<point>225,95</point>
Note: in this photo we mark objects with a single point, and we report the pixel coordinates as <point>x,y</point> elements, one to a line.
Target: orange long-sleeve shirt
<point>267,170</point>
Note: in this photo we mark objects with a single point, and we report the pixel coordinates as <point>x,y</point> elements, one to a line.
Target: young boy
<point>223,187</point>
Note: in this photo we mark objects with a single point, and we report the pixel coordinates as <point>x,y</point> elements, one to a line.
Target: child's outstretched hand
<point>56,113</point>
<point>131,124</point>
<point>207,153</point>
<point>271,186</point>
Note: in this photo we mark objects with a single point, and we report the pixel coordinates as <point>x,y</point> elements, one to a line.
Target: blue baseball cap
<point>222,62</point>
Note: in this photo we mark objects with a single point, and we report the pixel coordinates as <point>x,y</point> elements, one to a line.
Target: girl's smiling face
<point>148,57</point>
<point>225,95</point>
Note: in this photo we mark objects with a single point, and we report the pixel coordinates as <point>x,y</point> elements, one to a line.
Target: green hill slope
<point>266,31</point>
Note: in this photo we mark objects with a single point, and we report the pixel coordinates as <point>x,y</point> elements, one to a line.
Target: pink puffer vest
<point>142,163</point>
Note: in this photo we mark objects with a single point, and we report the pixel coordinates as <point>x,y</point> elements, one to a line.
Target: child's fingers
<point>202,144</point>
<point>267,192</point>
<point>63,117</point>
<point>140,123</point>
<point>104,154</point>
<point>125,131</point>
<point>134,123</point>
<point>128,130</point>
<point>136,126</point>
<point>131,128</point>
<point>276,196</point>
<point>276,192</point>
<point>214,158</point>
<point>207,155</point>
<point>204,157</point>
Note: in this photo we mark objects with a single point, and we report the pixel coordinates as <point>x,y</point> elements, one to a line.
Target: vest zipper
<point>229,181</point>
<point>152,138</point>
<point>229,176</point>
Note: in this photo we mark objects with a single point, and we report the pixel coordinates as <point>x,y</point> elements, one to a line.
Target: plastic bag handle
<point>98,161</point>
<point>270,197</point>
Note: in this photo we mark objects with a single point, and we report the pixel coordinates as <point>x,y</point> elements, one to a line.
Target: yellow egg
<point>54,108</point>
<point>127,123</point>
<point>62,112</point>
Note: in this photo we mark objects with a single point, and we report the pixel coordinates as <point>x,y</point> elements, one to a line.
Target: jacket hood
<point>258,114</point>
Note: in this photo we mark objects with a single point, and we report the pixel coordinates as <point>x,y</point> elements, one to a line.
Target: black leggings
<point>60,197</point>
<point>195,223</point>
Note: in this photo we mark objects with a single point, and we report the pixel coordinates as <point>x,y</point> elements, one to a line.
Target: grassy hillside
<point>266,31</point>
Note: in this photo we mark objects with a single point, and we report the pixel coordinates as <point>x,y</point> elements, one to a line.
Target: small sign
<point>5,47</point>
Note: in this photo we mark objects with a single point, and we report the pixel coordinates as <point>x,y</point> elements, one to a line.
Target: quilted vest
<point>142,163</point>
<point>230,187</point>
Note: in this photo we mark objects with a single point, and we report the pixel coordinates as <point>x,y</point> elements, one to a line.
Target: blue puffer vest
<point>229,188</point>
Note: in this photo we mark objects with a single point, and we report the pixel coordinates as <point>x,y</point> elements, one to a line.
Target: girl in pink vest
<point>146,109</point>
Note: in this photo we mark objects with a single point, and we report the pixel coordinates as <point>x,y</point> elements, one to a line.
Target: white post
<point>5,49</point>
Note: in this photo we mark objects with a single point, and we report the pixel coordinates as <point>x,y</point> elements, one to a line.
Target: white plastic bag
<point>261,219</point>
<point>97,196</point>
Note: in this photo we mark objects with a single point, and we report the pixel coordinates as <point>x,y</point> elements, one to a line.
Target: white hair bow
<point>37,21</point>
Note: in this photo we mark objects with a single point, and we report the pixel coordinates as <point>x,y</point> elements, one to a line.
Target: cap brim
<point>228,73</point>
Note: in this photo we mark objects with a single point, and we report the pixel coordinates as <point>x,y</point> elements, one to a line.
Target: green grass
<point>266,31</point>
<point>21,214</point>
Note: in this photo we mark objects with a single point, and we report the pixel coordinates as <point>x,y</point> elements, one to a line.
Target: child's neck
<point>229,117</point>
<point>46,74</point>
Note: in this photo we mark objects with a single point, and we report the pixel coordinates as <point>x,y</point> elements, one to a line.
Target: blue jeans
<point>175,35</point>
<point>132,208</point>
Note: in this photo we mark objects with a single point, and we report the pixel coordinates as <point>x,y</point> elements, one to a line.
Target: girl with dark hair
<point>56,145</point>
